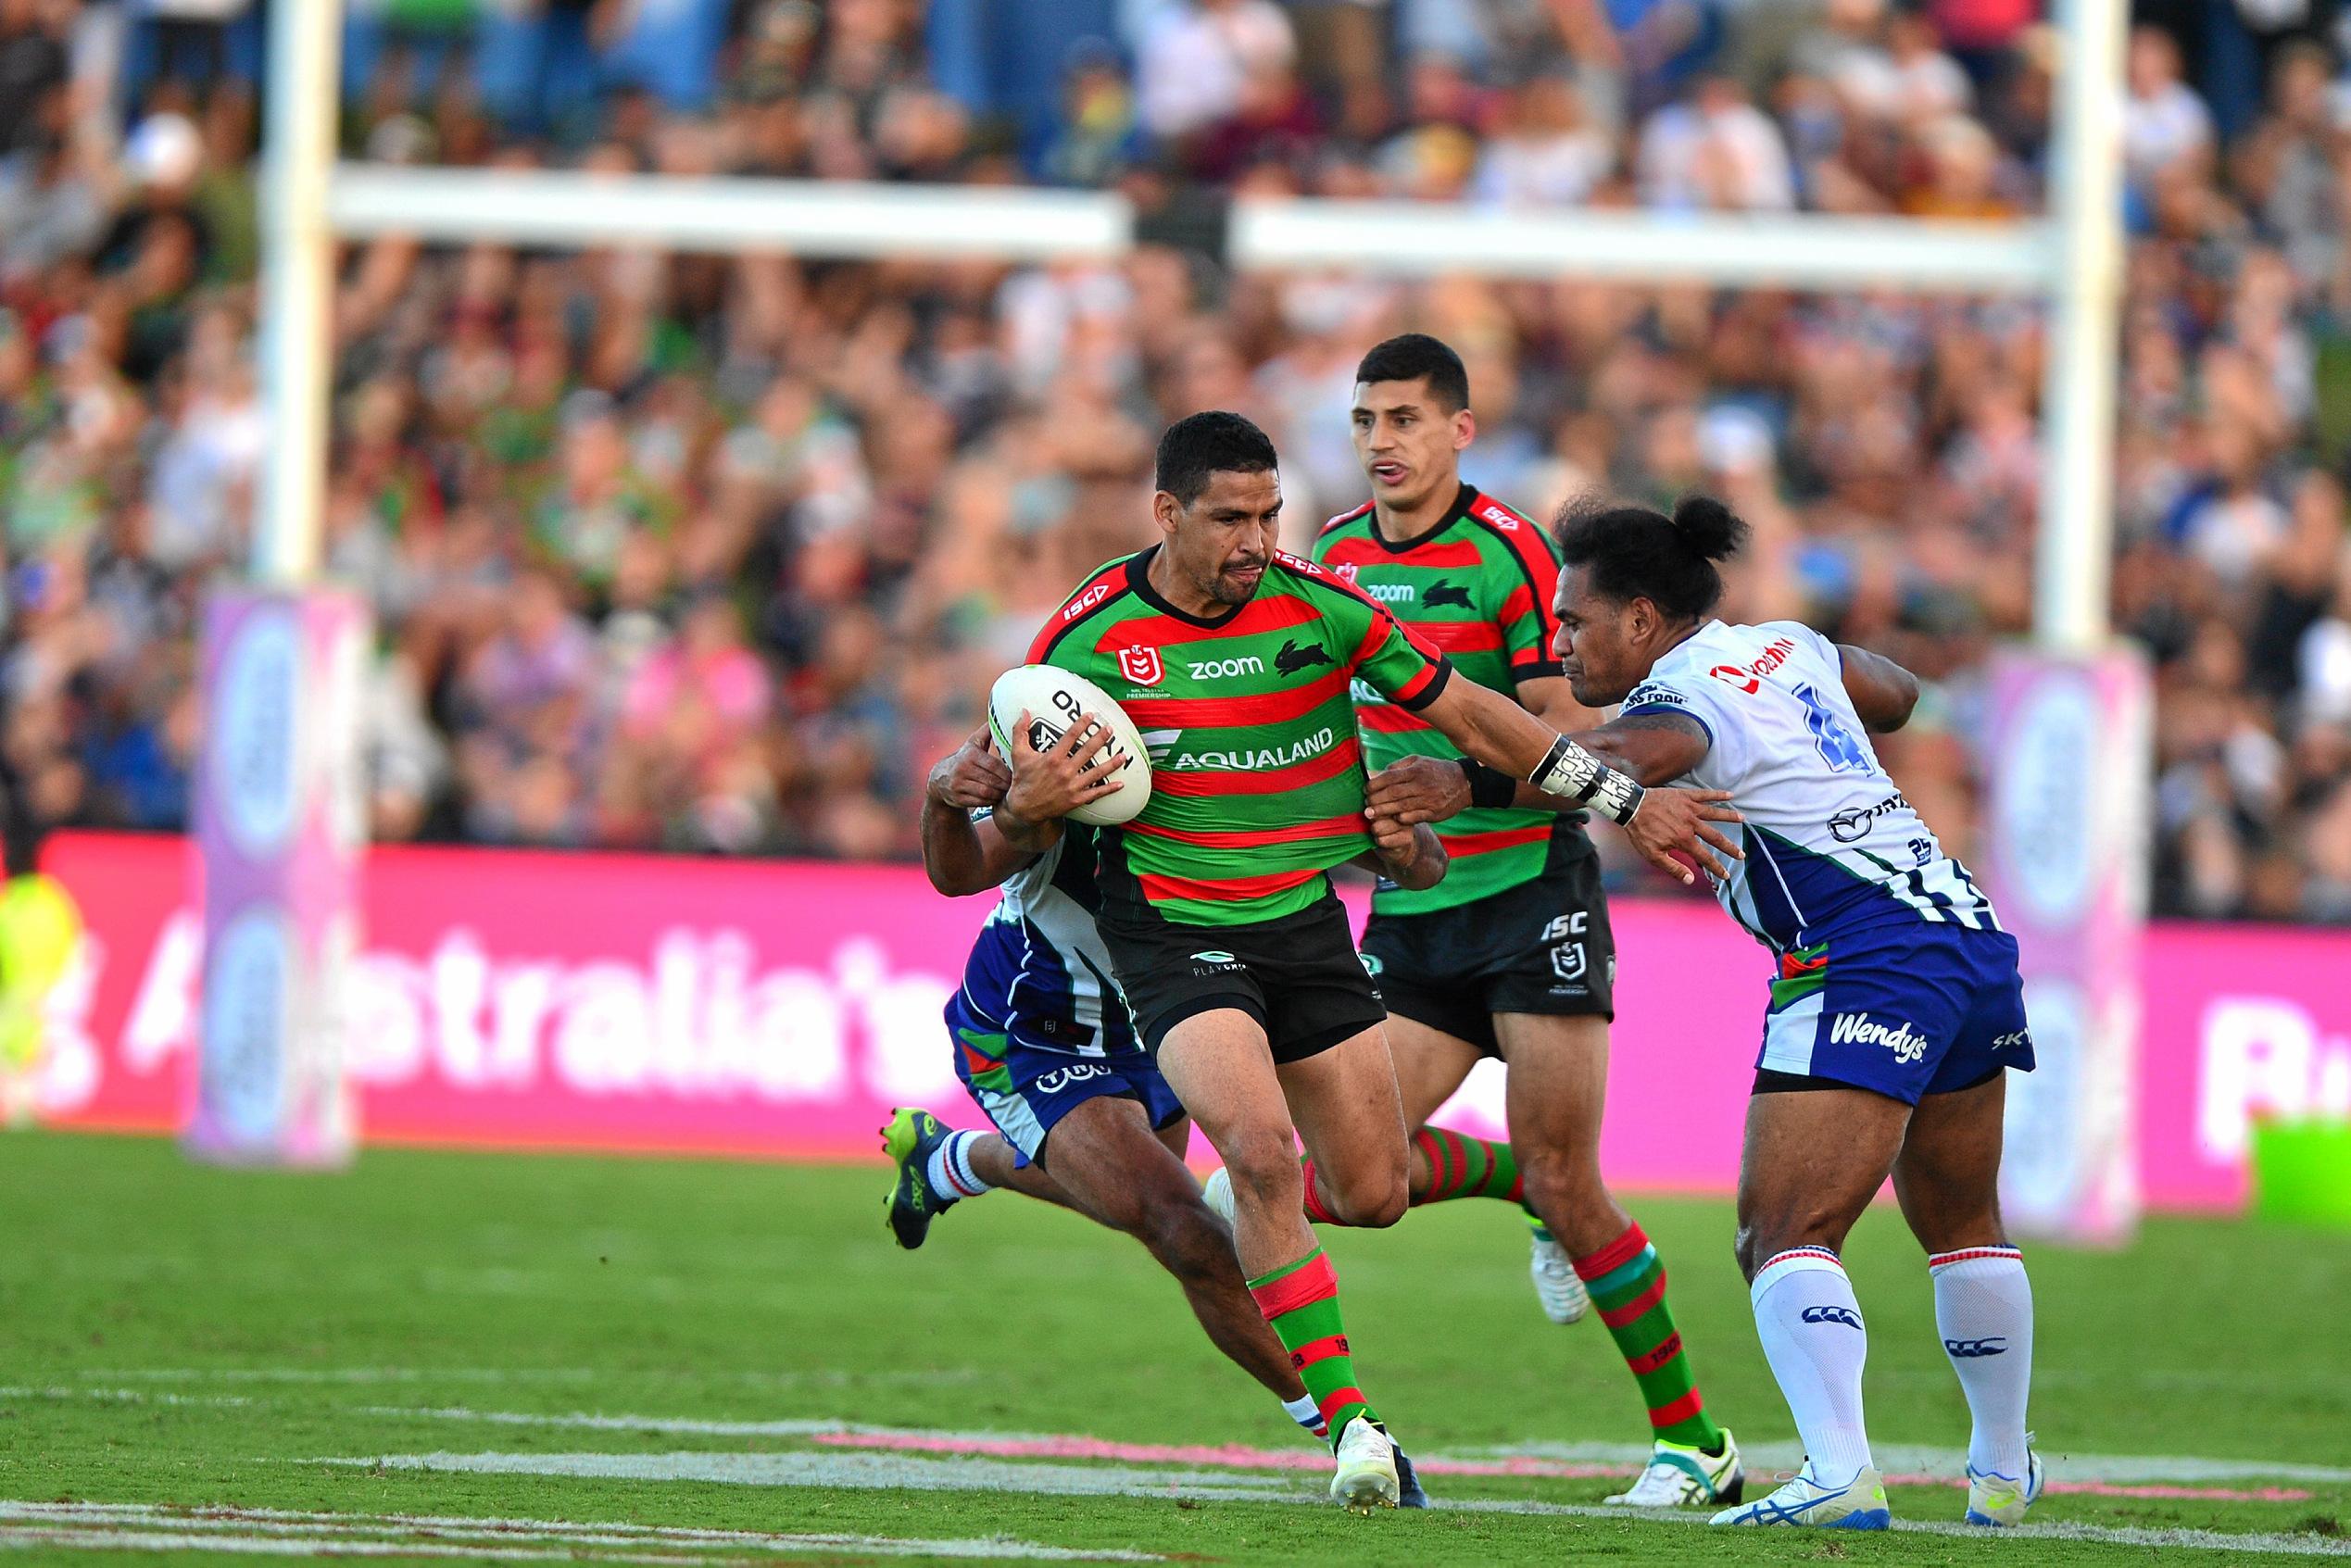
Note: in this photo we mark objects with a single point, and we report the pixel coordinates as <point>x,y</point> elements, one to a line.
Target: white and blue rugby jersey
<point>1830,842</point>
<point>1039,968</point>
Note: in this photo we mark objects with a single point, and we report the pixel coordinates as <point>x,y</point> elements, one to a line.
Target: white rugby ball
<point>1052,699</point>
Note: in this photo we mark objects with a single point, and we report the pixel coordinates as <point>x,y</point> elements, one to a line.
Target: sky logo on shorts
<point>1855,1029</point>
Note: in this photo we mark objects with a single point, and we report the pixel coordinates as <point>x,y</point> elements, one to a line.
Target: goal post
<point>2071,259</point>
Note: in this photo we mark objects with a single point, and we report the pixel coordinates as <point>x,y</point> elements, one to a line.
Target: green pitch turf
<point>509,1357</point>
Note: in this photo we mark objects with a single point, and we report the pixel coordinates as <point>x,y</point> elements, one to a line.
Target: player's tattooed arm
<point>1656,745</point>
<point>962,856</point>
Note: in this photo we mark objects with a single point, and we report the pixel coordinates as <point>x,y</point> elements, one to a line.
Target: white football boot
<point>1683,1476</point>
<point>1557,1285</point>
<point>1998,1501</point>
<point>1366,1474</point>
<point>1859,1505</point>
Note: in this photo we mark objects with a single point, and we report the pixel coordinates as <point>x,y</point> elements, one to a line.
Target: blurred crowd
<point>717,554</point>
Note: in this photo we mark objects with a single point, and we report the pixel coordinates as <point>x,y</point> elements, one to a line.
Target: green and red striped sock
<point>1461,1166</point>
<point>1458,1166</point>
<point>1627,1284</point>
<point>1300,1300</point>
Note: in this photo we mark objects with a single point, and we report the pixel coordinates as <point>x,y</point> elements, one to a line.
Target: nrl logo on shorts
<point>1142,665</point>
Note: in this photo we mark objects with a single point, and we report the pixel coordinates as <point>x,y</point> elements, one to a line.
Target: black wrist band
<point>1488,786</point>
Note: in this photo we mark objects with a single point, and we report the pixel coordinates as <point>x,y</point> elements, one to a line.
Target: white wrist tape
<point>1572,771</point>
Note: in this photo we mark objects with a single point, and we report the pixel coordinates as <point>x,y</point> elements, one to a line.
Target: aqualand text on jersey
<point>1257,771</point>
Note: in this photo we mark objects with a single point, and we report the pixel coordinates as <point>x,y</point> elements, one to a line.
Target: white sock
<point>949,1172</point>
<point>1983,1310</point>
<point>1308,1414</point>
<point>1813,1337</point>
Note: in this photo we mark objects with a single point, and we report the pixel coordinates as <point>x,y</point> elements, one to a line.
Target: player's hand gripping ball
<point>1053,699</point>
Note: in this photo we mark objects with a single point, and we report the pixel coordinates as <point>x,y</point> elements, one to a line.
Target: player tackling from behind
<point>1235,662</point>
<point>1044,1043</point>
<point>1895,1008</point>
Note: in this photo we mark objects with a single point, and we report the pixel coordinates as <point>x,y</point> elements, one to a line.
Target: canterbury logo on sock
<point>1832,1314</point>
<point>1967,1350</point>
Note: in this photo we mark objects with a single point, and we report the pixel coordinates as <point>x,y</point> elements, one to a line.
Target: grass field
<point>514,1358</point>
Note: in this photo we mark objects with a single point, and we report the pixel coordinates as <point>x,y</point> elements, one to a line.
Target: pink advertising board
<point>777,1010</point>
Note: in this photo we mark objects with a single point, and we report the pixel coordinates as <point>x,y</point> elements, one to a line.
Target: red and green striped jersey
<point>1479,589</point>
<point>1257,774</point>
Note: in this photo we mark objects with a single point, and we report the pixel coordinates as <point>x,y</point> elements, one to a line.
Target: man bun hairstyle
<point>1634,553</point>
<point>1412,356</point>
<point>1199,446</point>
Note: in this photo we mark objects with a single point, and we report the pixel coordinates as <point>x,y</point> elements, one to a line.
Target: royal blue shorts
<point>1026,1089</point>
<point>1904,1010</point>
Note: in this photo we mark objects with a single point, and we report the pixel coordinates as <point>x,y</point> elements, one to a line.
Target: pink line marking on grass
<point>1237,1456</point>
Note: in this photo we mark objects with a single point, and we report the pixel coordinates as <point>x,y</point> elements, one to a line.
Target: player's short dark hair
<point>1415,355</point>
<point>1199,445</point>
<point>1633,553</point>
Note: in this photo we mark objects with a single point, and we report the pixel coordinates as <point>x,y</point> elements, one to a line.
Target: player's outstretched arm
<point>1665,826</point>
<point>1048,785</point>
<point>960,855</point>
<point>1883,693</point>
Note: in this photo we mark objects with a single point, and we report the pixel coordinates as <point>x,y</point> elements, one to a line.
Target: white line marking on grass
<point>102,1538</point>
<point>1893,1457</point>
<point>120,1396</point>
<point>289,1532</point>
<point>941,1378</point>
<point>1912,1457</point>
<point>860,1472</point>
<point>694,1426</point>
<point>900,1471</point>
<point>2267,1544</point>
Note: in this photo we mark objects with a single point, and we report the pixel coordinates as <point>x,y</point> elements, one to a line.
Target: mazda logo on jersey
<point>1142,665</point>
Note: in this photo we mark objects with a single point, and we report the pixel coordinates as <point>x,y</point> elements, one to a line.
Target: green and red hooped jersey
<point>1479,589</point>
<point>1257,772</point>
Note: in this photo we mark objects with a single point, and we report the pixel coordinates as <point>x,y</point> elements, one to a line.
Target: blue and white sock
<point>949,1172</point>
<point>1812,1333</point>
<point>1308,1414</point>
<point>1983,1310</point>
